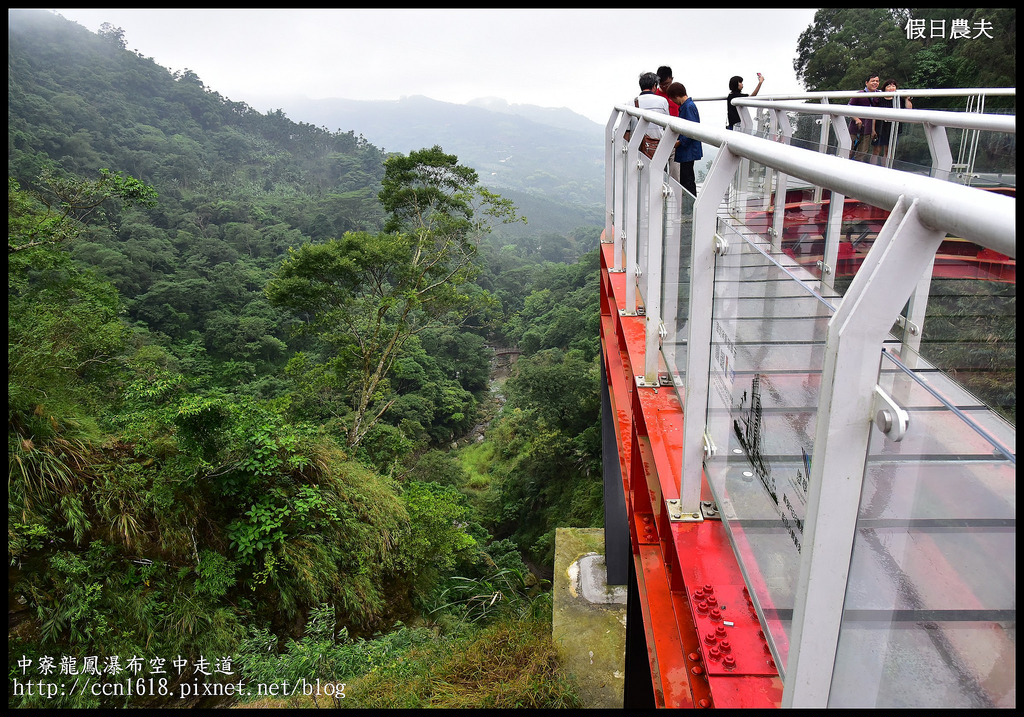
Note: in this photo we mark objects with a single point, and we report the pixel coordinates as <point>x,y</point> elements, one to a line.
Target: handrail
<point>981,217</point>
<point>847,94</point>
<point>941,118</point>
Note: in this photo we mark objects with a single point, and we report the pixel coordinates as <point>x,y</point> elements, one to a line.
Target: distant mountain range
<point>551,153</point>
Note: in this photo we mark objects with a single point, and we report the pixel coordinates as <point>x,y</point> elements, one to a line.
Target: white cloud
<point>586,60</point>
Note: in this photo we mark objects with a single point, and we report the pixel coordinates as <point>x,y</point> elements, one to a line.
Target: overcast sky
<point>586,60</point>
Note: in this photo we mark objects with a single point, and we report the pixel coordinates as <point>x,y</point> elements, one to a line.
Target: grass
<point>477,460</point>
<point>508,664</point>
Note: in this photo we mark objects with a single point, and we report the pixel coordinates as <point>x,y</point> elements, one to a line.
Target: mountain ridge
<point>530,149</point>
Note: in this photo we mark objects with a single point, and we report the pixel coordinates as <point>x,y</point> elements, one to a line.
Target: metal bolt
<point>883,420</point>
<point>710,638</point>
<point>729,662</point>
<point>697,670</point>
<point>724,646</point>
<point>716,614</point>
<point>714,653</point>
<point>694,657</point>
<point>712,600</point>
<point>720,631</point>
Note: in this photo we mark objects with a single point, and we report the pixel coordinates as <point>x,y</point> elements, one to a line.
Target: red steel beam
<point>690,584</point>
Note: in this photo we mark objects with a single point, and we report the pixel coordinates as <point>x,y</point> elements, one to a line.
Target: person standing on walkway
<point>736,90</point>
<point>883,128</point>
<point>664,82</point>
<point>688,150</point>
<point>647,100</point>
<point>862,130</point>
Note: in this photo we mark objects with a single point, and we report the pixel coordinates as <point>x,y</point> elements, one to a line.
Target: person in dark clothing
<point>883,128</point>
<point>688,150</point>
<point>862,130</point>
<point>736,90</point>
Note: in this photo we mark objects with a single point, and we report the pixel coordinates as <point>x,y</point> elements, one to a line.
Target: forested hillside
<point>532,156</point>
<point>244,357</point>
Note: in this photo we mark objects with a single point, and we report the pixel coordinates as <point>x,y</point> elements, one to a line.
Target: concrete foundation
<point>589,620</point>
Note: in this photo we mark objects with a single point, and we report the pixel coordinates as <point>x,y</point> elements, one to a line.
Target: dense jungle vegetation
<point>248,364</point>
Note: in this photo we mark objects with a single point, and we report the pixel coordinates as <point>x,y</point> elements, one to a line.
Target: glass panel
<point>748,198</point>
<point>930,610</point>
<point>766,360</point>
<point>963,323</point>
<point>806,221</point>
<point>675,278</point>
<point>643,225</point>
<point>623,207</point>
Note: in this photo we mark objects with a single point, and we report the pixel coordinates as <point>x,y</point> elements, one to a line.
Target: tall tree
<point>366,294</point>
<point>843,45</point>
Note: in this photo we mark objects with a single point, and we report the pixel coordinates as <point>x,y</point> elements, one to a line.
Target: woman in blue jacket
<point>688,150</point>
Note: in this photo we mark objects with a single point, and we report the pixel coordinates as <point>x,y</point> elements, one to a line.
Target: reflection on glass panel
<point>930,610</point>
<point>994,159</point>
<point>766,359</point>
<point>749,196</point>
<point>963,323</point>
<point>675,277</point>
<point>969,330</point>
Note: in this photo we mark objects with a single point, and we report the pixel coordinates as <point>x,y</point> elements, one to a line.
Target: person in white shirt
<point>648,100</point>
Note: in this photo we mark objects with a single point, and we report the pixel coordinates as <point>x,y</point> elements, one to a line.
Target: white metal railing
<point>973,93</point>
<point>935,123</point>
<point>922,211</point>
<point>975,101</point>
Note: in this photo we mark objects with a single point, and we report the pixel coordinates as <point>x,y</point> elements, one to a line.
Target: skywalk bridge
<point>808,507</point>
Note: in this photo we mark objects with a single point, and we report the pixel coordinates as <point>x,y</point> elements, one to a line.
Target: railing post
<point>836,204</point>
<point>698,354</point>
<point>655,249</point>
<point>781,121</point>
<point>746,124</point>
<point>823,135</point>
<point>633,167</point>
<point>611,139</point>
<point>917,310</point>
<point>904,248</point>
<point>938,146</point>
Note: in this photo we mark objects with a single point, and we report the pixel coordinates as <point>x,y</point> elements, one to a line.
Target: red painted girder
<point>676,561</point>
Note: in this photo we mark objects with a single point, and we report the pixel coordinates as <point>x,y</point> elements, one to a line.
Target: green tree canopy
<point>844,45</point>
<point>364,295</point>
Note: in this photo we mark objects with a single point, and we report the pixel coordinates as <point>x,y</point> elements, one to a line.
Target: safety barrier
<point>855,482</point>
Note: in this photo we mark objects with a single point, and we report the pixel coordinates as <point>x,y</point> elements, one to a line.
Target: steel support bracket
<point>709,509</point>
<point>676,515</point>
<point>641,382</point>
<point>889,417</point>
